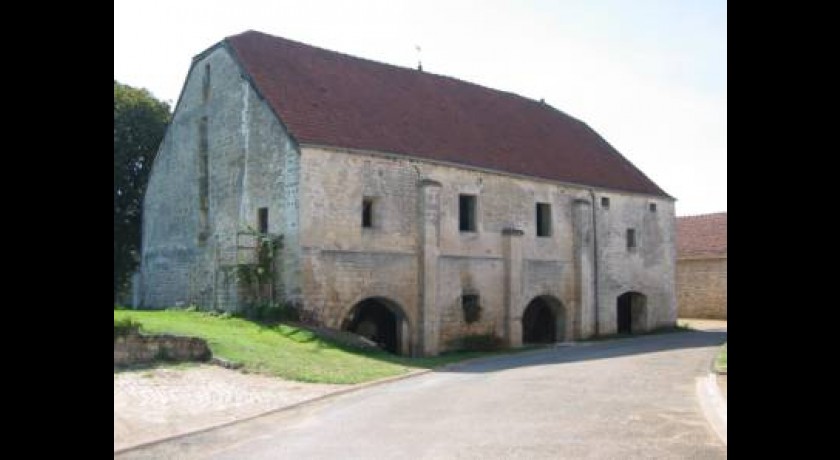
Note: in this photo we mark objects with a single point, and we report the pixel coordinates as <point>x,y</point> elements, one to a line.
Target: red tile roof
<point>700,236</point>
<point>329,98</point>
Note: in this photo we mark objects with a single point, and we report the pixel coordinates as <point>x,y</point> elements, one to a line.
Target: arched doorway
<point>380,320</point>
<point>630,312</point>
<point>544,321</point>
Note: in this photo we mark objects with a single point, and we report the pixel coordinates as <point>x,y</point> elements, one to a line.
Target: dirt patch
<point>155,403</point>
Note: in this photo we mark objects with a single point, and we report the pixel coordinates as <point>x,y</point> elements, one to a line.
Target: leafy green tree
<point>140,122</point>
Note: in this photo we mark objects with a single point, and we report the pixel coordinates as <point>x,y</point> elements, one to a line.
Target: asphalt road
<point>627,398</point>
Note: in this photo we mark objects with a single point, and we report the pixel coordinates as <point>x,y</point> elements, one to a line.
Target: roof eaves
<point>702,256</point>
<point>409,156</point>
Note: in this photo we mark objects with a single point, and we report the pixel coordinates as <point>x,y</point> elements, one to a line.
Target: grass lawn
<point>282,350</point>
<point>720,362</point>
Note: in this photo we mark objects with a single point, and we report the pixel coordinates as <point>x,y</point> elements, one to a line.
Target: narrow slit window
<point>543,219</point>
<point>204,170</point>
<point>262,220</point>
<point>205,84</point>
<point>631,238</point>
<point>605,202</point>
<point>367,212</point>
<point>466,213</point>
<point>203,182</point>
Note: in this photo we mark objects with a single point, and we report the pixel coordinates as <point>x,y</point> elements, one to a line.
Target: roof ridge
<point>411,70</point>
<point>691,216</point>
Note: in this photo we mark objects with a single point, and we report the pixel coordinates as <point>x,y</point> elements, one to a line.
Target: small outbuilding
<point>701,266</point>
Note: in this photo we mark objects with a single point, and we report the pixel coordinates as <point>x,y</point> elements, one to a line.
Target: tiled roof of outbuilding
<point>702,235</point>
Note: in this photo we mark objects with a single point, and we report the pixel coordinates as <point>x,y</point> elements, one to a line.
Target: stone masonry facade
<point>701,288</point>
<point>226,155</point>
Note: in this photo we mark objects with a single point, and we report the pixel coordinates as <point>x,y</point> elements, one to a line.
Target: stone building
<point>411,207</point>
<point>701,266</point>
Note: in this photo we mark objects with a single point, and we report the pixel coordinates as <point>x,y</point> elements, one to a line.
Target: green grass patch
<point>125,326</point>
<point>720,361</point>
<point>283,350</point>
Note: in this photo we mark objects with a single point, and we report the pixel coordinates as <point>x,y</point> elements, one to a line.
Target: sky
<point>647,75</point>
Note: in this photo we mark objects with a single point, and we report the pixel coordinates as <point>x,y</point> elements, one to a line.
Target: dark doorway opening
<point>378,320</point>
<point>541,319</point>
<point>624,318</point>
<point>630,313</point>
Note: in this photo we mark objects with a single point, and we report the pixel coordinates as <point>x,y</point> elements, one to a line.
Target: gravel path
<point>155,403</point>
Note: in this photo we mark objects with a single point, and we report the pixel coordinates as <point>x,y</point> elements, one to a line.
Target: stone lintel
<point>429,183</point>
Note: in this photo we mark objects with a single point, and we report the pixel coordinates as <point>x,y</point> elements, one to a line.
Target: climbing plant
<point>253,276</point>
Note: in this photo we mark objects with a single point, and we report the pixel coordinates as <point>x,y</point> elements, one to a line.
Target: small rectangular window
<point>466,213</point>
<point>367,212</point>
<point>543,219</point>
<point>652,207</point>
<point>605,202</point>
<point>262,220</point>
<point>631,238</point>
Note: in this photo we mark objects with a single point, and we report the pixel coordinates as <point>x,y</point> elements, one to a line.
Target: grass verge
<point>285,351</point>
<point>720,361</point>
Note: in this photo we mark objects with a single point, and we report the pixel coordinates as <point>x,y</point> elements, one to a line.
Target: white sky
<point>648,75</point>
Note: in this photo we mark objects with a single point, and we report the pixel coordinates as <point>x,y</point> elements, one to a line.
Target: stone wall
<point>136,349</point>
<point>647,269</point>
<point>193,233</point>
<point>701,288</point>
<point>416,256</point>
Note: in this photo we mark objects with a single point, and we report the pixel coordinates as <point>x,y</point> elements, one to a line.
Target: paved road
<point>629,398</point>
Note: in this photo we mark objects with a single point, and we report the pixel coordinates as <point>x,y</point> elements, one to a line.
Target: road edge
<point>713,404</point>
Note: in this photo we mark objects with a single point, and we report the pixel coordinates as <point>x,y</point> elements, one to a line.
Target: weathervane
<point>419,62</point>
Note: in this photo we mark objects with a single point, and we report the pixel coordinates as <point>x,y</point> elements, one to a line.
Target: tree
<point>140,122</point>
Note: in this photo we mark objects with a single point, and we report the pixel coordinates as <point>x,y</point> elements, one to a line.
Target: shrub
<point>126,326</point>
<point>269,312</point>
<point>481,342</point>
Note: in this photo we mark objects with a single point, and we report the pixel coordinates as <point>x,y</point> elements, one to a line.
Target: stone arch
<point>544,320</point>
<point>631,313</point>
<point>381,320</point>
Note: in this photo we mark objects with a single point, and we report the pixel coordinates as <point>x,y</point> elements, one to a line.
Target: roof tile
<point>333,99</point>
<point>702,235</point>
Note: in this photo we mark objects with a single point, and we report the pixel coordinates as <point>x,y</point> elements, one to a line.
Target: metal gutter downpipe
<point>595,260</point>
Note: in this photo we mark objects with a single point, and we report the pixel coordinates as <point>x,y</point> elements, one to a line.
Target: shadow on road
<point>587,351</point>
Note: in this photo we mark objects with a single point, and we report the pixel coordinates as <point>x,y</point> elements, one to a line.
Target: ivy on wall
<point>253,276</point>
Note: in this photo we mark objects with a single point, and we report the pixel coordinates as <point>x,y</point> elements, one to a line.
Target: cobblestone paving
<point>154,403</point>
